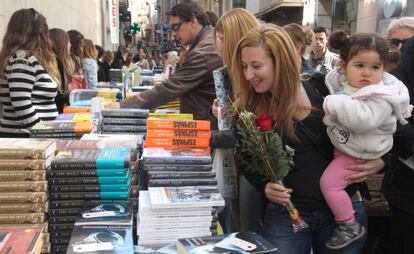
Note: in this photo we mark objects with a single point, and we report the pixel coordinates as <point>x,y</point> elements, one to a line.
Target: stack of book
<point>82,97</point>
<point>23,185</point>
<point>84,174</point>
<point>124,121</point>
<point>166,214</point>
<point>103,227</point>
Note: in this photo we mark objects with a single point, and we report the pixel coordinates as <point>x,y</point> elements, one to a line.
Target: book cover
<point>114,212</point>
<point>188,196</point>
<point>123,128</point>
<point>61,127</point>
<point>34,175</point>
<point>178,124</point>
<point>87,172</point>
<point>177,142</point>
<point>25,165</point>
<point>92,159</point>
<point>23,186</point>
<point>89,195</point>
<point>124,121</point>
<point>23,197</point>
<point>91,180</point>
<point>103,239</point>
<point>25,148</point>
<point>22,239</point>
<point>171,116</point>
<point>78,117</point>
<point>169,133</point>
<point>125,113</point>
<point>245,242</point>
<point>90,187</point>
<point>153,155</point>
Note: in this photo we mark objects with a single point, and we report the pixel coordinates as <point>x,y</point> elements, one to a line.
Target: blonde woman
<point>29,78</point>
<point>90,64</point>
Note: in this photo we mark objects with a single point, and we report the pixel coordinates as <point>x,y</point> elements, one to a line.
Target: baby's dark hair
<point>363,41</point>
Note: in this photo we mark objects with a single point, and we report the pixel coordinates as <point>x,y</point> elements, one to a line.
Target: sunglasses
<point>176,26</point>
<point>396,42</point>
<point>35,14</point>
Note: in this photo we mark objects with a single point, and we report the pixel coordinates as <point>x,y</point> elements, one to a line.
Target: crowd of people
<point>345,110</point>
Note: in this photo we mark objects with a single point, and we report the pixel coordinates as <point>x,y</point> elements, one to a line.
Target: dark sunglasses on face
<point>176,26</point>
<point>396,42</point>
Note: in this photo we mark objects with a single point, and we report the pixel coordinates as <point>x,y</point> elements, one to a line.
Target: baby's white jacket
<point>362,124</point>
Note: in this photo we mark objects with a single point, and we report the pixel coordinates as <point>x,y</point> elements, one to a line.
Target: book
<point>92,180</point>
<point>125,113</point>
<point>22,218</point>
<point>34,175</point>
<point>89,195</point>
<point>64,212</point>
<point>171,116</point>
<point>188,196</point>
<point>181,182</point>
<point>64,204</point>
<point>178,124</point>
<point>105,239</point>
<point>24,239</point>
<point>92,159</point>
<point>70,109</point>
<point>87,172</point>
<point>58,135</point>
<point>124,121</point>
<point>25,165</point>
<point>23,208</point>
<point>177,142</point>
<point>114,212</point>
<point>169,133</point>
<point>244,242</point>
<point>23,197</point>
<point>123,128</point>
<point>176,167</point>
<point>153,155</point>
<point>90,187</point>
<point>62,219</point>
<point>23,186</point>
<point>61,127</point>
<point>53,227</point>
<point>78,117</point>
<point>181,174</point>
<point>25,148</point>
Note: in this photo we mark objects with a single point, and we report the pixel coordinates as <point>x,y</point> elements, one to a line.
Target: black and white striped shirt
<point>27,94</point>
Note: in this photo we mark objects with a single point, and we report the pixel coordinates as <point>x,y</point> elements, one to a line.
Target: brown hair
<point>76,50</point>
<point>301,36</point>
<point>60,42</point>
<point>283,101</point>
<point>27,30</point>
<point>89,50</point>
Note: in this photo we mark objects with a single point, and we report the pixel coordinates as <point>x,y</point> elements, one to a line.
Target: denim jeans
<point>278,230</point>
<point>250,206</point>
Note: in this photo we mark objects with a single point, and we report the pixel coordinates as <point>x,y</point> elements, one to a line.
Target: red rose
<point>264,122</point>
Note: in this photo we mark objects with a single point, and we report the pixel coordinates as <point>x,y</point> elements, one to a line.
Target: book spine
<point>176,160</point>
<point>125,114</point>
<point>62,219</point>
<point>37,186</point>
<point>21,218</point>
<point>172,116</point>
<point>172,167</point>
<point>178,124</point>
<point>168,133</point>
<point>177,175</point>
<point>35,175</point>
<point>86,173</point>
<point>124,128</point>
<point>124,121</point>
<point>60,234</point>
<point>64,212</point>
<point>54,227</point>
<point>60,241</point>
<point>56,135</point>
<point>60,204</point>
<point>177,142</point>
<point>62,164</point>
<point>22,165</point>
<point>25,154</point>
<point>24,208</point>
<point>88,195</point>
<point>92,188</point>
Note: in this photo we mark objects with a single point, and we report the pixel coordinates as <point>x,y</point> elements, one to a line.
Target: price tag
<point>82,248</point>
<point>98,214</point>
<point>242,244</point>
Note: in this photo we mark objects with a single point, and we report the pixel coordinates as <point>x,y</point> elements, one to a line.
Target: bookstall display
<point>124,121</point>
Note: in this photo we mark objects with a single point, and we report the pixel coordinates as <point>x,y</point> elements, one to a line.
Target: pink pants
<point>333,186</point>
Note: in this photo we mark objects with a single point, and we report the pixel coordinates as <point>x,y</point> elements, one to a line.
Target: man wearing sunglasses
<point>193,80</point>
<point>398,181</point>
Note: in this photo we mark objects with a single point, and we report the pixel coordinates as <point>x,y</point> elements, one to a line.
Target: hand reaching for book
<point>277,193</point>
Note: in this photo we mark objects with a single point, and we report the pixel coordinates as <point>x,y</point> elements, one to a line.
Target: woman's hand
<point>364,169</point>
<point>277,193</point>
<point>214,109</point>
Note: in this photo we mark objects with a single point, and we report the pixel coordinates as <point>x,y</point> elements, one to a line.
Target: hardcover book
<point>34,175</point>
<point>176,167</point>
<point>171,116</point>
<point>90,187</point>
<point>92,159</point>
<point>169,133</point>
<point>177,142</point>
<point>63,204</point>
<point>25,165</point>
<point>23,197</point>
<point>89,195</point>
<point>91,180</point>
<point>23,208</point>
<point>178,124</point>
<point>61,127</point>
<point>23,186</point>
<point>22,239</point>
<point>245,242</point>
<point>78,117</point>
<point>188,196</point>
<point>102,239</point>
<point>22,218</point>
<point>87,172</point>
<point>124,121</point>
<point>124,128</point>
<point>153,155</point>
<point>181,182</point>
<point>25,148</point>
<point>113,212</point>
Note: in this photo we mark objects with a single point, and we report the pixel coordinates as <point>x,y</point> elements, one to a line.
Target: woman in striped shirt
<point>29,78</point>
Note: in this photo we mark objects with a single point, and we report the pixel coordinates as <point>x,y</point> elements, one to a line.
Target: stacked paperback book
<point>124,121</point>
<point>168,213</point>
<point>103,227</point>
<point>79,174</point>
<point>23,185</point>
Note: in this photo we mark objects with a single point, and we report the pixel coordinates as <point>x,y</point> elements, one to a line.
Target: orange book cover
<point>70,109</point>
<point>22,239</point>
<point>178,124</point>
<point>170,133</point>
<point>177,142</point>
